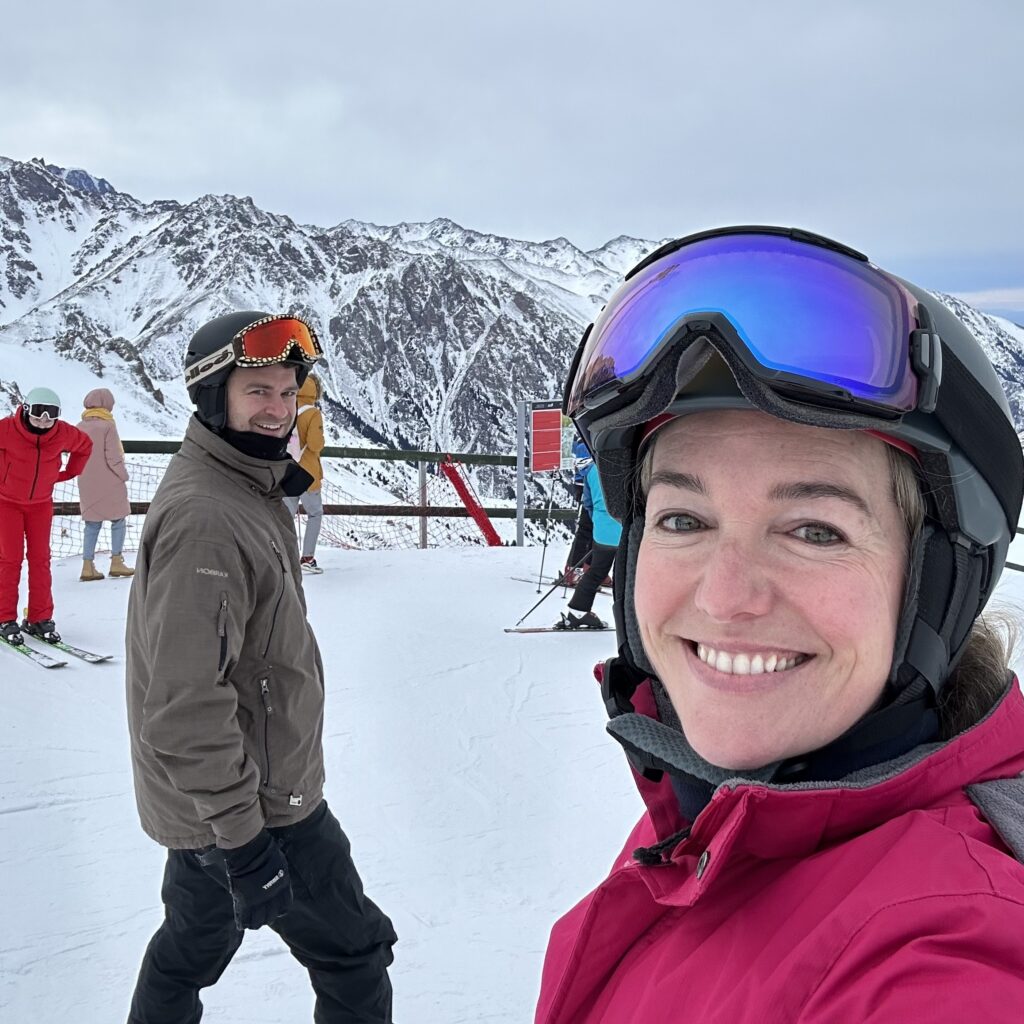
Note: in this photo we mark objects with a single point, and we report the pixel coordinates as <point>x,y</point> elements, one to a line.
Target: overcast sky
<point>895,126</point>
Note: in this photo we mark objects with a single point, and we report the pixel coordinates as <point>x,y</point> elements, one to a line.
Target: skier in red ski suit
<point>32,442</point>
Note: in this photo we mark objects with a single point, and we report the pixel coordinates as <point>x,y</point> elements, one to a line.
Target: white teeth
<point>747,664</point>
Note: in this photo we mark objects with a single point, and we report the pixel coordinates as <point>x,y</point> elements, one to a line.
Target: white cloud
<point>892,126</point>
<point>1011,299</point>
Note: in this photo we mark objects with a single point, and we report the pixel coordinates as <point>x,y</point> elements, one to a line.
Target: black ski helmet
<point>207,392</point>
<point>969,454</point>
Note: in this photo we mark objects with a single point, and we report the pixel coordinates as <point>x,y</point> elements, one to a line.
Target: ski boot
<point>582,620</point>
<point>45,630</point>
<point>307,563</point>
<point>10,633</point>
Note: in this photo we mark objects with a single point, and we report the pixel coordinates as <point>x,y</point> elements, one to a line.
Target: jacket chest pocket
<point>275,603</point>
<point>222,631</point>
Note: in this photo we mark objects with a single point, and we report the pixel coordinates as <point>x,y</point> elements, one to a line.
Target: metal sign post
<point>520,472</point>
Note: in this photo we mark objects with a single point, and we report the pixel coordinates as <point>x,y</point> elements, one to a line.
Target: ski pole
<point>547,527</point>
<point>553,588</point>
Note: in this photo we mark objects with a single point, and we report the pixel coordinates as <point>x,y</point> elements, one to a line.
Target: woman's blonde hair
<point>979,678</point>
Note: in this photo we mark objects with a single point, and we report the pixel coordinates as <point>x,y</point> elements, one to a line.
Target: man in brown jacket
<point>225,693</point>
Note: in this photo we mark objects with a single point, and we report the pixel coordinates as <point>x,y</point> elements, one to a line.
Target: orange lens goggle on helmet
<point>271,340</point>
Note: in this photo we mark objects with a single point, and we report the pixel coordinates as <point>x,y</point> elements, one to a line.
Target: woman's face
<point>768,581</point>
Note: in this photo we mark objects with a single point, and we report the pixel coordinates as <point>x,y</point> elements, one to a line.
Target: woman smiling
<point>818,479</point>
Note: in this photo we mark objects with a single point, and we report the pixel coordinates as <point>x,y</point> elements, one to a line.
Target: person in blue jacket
<point>579,614</point>
<point>583,541</point>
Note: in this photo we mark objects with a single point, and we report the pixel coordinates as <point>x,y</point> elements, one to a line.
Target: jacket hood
<point>99,398</point>
<point>310,391</point>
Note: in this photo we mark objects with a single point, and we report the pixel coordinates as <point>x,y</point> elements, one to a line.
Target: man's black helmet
<point>218,347</point>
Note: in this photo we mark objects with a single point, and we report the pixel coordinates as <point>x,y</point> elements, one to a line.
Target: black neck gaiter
<point>256,446</point>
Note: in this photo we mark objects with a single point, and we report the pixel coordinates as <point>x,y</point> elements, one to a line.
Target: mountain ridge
<point>432,331</point>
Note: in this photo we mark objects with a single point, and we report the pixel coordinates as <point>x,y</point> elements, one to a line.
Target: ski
<point>551,629</point>
<point>75,652</point>
<point>42,660</point>
<point>550,582</point>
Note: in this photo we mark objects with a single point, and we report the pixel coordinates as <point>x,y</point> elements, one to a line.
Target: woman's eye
<point>818,533</point>
<point>679,522</point>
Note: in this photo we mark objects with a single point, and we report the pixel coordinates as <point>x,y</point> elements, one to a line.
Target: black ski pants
<point>601,559</point>
<point>582,542</point>
<point>336,932</point>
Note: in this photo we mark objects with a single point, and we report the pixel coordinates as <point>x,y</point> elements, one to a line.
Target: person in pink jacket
<point>102,490</point>
<point>818,477</point>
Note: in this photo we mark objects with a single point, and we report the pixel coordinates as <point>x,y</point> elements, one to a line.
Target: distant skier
<point>225,690</point>
<point>578,613</point>
<point>583,540</point>
<point>33,441</point>
<point>102,490</point>
<point>304,446</point>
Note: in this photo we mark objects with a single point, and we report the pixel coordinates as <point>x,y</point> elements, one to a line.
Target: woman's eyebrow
<point>684,481</point>
<point>803,489</point>
<point>799,490</point>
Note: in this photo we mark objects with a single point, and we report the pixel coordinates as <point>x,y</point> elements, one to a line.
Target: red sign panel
<point>545,437</point>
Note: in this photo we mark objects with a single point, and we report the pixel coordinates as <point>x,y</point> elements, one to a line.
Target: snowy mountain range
<point>433,332</point>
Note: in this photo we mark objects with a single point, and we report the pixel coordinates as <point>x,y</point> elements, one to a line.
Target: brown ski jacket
<point>224,677</point>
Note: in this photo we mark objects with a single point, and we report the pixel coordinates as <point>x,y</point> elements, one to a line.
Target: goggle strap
<point>211,364</point>
<point>982,431</point>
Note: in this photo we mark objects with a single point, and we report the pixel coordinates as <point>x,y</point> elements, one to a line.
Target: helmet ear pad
<point>624,583</point>
<point>946,588</point>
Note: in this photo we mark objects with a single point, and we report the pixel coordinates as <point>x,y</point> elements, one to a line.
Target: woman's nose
<point>733,584</point>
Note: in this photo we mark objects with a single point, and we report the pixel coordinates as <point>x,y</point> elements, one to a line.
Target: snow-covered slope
<point>470,769</point>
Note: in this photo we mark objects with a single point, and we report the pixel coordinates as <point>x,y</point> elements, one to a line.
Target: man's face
<point>261,399</point>
<point>41,422</point>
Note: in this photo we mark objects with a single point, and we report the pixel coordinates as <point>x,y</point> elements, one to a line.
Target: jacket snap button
<point>702,864</point>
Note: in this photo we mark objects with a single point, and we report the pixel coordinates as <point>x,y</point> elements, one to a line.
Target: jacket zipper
<point>264,692</point>
<point>280,594</point>
<point>35,475</point>
<point>268,711</point>
<point>222,630</point>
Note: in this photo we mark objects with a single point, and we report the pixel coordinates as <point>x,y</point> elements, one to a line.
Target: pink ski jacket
<point>890,897</point>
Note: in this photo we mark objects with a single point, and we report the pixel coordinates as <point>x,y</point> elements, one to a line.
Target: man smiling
<point>226,695</point>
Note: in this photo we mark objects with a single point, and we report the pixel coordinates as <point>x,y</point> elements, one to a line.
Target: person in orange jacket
<point>304,446</point>
<point>33,440</point>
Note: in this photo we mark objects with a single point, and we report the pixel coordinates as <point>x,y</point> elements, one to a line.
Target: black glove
<point>258,878</point>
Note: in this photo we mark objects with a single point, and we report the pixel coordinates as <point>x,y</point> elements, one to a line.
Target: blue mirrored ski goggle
<point>810,318</point>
